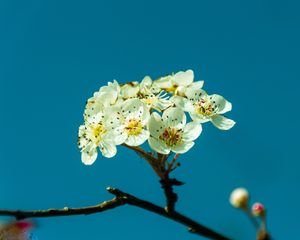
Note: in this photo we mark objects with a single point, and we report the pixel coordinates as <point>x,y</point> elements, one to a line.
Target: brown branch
<point>167,184</point>
<point>171,197</point>
<point>66,211</point>
<point>120,199</point>
<point>194,227</point>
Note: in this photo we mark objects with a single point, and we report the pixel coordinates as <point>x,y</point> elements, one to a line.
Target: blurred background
<point>55,54</point>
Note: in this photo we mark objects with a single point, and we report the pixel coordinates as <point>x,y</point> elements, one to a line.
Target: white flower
<point>171,133</point>
<point>178,83</point>
<point>154,97</point>
<point>92,135</point>
<point>239,198</point>
<point>128,122</point>
<point>106,96</point>
<point>203,107</point>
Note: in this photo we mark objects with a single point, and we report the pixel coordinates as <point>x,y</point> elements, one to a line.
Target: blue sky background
<point>55,54</point>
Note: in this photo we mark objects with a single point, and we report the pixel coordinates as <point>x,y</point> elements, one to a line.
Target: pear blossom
<point>171,133</point>
<point>203,107</point>
<point>178,83</point>
<point>128,121</point>
<point>93,135</point>
<point>106,96</point>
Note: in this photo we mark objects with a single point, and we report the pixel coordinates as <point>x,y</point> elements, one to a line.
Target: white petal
<point>158,146</point>
<point>145,115</point>
<point>192,131</point>
<point>117,135</point>
<point>180,91</point>
<point>82,141</point>
<point>108,95</point>
<point>130,90</point>
<point>155,125</point>
<point>174,117</point>
<point>146,82</point>
<point>183,147</point>
<point>197,85</point>
<point>136,140</point>
<point>89,154</point>
<point>199,118</point>
<point>222,123</point>
<point>183,103</point>
<point>183,78</point>
<point>115,86</point>
<point>111,87</point>
<point>163,82</point>
<point>113,118</point>
<point>195,94</point>
<point>161,104</point>
<point>94,118</point>
<point>222,104</point>
<point>93,109</point>
<point>108,149</point>
<point>107,98</point>
<point>134,109</point>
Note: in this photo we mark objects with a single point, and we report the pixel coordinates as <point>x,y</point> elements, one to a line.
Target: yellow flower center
<point>171,136</point>
<point>98,131</point>
<point>149,101</point>
<point>134,127</point>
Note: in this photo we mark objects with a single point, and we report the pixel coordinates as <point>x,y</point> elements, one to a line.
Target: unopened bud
<point>239,198</point>
<point>258,209</point>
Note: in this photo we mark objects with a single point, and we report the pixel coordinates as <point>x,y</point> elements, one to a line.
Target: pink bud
<point>258,209</point>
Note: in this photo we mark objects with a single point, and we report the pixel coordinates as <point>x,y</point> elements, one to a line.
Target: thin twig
<point>170,165</point>
<point>251,218</point>
<point>263,233</point>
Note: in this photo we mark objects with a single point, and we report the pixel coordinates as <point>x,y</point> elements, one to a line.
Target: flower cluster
<point>153,111</point>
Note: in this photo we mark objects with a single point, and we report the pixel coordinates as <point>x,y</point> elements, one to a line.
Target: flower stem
<point>251,218</point>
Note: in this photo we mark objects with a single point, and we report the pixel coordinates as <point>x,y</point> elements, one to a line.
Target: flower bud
<point>239,198</point>
<point>258,209</point>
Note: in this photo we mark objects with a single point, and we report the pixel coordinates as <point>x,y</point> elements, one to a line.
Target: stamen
<point>171,136</point>
<point>134,127</point>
